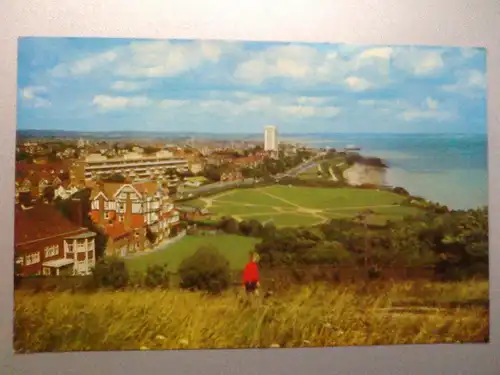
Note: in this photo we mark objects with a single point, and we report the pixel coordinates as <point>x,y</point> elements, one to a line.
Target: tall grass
<point>315,315</point>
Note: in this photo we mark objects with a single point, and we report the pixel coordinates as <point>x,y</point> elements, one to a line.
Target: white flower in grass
<point>160,337</point>
<point>144,348</point>
<point>275,345</point>
<point>183,342</point>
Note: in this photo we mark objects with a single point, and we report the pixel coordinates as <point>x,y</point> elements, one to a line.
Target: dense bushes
<point>206,270</point>
<point>157,276</point>
<point>110,273</point>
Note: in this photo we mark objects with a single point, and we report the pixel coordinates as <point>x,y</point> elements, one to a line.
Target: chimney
<point>128,213</point>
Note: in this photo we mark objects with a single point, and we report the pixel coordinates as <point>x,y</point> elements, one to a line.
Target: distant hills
<point>36,133</point>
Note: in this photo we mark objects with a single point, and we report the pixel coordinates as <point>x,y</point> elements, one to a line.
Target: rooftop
<point>40,222</point>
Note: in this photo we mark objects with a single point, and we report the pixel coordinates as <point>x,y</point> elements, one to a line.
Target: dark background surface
<point>427,22</point>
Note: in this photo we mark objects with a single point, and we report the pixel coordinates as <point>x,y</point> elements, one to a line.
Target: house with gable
<point>47,243</point>
<point>134,216</point>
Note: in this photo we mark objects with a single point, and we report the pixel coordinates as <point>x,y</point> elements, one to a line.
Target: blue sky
<point>100,84</point>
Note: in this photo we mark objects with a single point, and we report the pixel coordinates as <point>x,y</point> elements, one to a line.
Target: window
<point>136,208</point>
<point>32,258</point>
<point>106,215</point>
<point>20,261</point>
<point>70,247</point>
<point>46,271</point>
<point>120,218</point>
<point>51,251</point>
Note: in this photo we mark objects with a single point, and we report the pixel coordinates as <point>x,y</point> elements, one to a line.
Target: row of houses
<point>130,218</point>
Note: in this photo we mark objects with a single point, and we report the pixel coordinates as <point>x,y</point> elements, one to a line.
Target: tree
<point>330,253</point>
<point>110,273</point>
<point>206,270</point>
<point>255,228</point>
<point>245,228</point>
<point>464,246</point>
<point>157,276</point>
<point>268,230</point>
<point>17,274</point>
<point>48,193</point>
<point>229,225</point>
<point>150,235</point>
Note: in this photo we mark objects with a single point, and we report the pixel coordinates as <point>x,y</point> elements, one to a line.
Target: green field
<point>234,248</point>
<point>287,220</point>
<point>300,206</point>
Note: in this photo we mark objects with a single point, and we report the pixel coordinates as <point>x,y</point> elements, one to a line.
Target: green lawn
<point>287,220</point>
<point>333,202</point>
<point>222,209</point>
<point>252,196</point>
<point>234,248</point>
<point>325,198</point>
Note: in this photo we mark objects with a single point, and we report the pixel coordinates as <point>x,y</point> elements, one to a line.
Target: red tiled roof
<point>41,221</point>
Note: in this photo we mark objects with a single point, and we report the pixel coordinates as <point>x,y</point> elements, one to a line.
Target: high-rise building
<point>270,138</point>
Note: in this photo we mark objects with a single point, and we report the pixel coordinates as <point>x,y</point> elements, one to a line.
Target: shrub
<point>255,228</point>
<point>329,253</point>
<point>157,276</point>
<point>229,225</point>
<point>205,270</point>
<point>110,273</point>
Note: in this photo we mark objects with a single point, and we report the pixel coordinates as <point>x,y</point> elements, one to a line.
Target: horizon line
<point>242,133</point>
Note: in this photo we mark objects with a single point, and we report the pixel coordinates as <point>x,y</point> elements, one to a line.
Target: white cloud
<point>129,86</point>
<point>430,109</point>
<point>416,114</point>
<point>468,52</point>
<point>41,103</point>
<point>172,103</point>
<point>31,96</point>
<point>431,103</point>
<point>312,100</point>
<point>357,83</point>
<point>85,65</point>
<point>311,66</point>
<point>380,52</point>
<point>293,61</point>
<point>469,83</point>
<point>30,92</point>
<point>311,111</point>
<point>108,103</point>
<point>145,59</point>
<point>419,62</point>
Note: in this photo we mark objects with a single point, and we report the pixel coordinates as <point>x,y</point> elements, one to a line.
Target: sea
<point>451,169</point>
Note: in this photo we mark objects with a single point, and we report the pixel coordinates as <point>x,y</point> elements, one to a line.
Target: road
<point>250,181</point>
<point>304,166</point>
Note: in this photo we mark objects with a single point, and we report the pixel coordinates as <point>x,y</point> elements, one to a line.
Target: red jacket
<point>251,273</point>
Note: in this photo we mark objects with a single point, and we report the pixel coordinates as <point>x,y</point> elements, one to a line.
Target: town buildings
<point>270,138</point>
<point>47,181</point>
<point>133,166</point>
<point>47,243</point>
<point>134,216</point>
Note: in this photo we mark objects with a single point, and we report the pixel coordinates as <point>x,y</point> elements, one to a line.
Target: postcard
<point>204,194</point>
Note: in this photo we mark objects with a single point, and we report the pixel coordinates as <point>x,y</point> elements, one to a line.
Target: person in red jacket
<point>251,275</point>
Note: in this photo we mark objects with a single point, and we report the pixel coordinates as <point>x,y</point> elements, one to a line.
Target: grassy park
<point>299,206</point>
<point>234,248</point>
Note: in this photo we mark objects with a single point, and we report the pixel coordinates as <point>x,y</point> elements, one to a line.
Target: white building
<point>270,138</point>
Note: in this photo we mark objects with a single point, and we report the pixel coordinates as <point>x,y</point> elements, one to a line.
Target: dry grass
<point>316,315</point>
